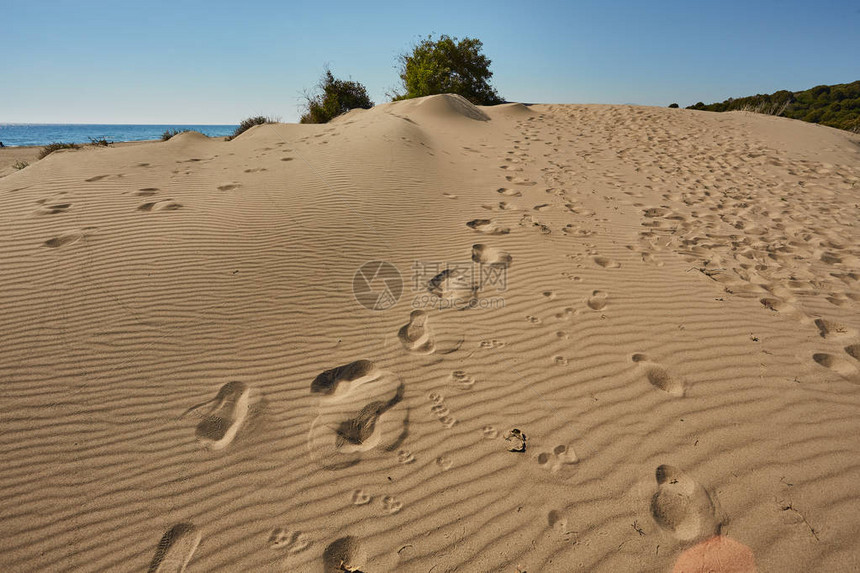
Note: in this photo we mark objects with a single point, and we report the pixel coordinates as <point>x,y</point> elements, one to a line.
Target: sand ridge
<point>677,346</point>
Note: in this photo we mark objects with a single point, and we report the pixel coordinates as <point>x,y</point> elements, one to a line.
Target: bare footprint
<point>682,507</point>
<point>175,549</point>
<point>163,205</point>
<point>488,227</point>
<point>217,430</point>
<point>830,329</point>
<point>605,262</point>
<point>391,505</point>
<point>508,192</point>
<point>415,335</point>
<point>836,363</point>
<point>341,379</point>
<point>490,256</point>
<point>597,300</point>
<point>54,209</point>
<point>360,409</point>
<point>228,187</point>
<point>658,376</point>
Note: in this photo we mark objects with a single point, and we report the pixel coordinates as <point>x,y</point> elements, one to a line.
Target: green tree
<point>333,98</point>
<point>449,66</point>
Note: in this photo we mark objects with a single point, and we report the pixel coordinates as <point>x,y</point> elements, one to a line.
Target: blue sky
<point>188,61</point>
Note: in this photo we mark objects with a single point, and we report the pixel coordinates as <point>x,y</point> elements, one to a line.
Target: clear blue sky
<point>189,61</point>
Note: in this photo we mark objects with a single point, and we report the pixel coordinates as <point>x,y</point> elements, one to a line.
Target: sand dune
<point>667,316</point>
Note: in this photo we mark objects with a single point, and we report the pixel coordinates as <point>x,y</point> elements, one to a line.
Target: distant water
<point>15,134</point>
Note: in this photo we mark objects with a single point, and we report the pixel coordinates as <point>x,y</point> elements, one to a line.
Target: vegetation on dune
<point>450,66</point>
<point>52,147</point>
<point>99,142</point>
<point>250,122</point>
<point>171,132</point>
<point>836,106</point>
<point>332,98</point>
<point>19,165</point>
<point>673,105</point>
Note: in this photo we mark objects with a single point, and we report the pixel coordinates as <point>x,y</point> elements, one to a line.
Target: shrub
<point>250,122</point>
<point>100,142</point>
<point>19,165</point>
<point>448,66</point>
<point>170,133</point>
<point>673,105</point>
<point>333,98</point>
<point>52,147</point>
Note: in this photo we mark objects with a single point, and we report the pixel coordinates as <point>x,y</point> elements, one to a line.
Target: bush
<point>52,147</point>
<point>100,142</point>
<point>673,105</point>
<point>250,122</point>
<point>448,66</point>
<point>836,106</point>
<point>333,98</point>
<point>19,165</point>
<point>170,133</point>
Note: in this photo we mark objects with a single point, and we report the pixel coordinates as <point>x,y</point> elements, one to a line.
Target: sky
<point>214,62</point>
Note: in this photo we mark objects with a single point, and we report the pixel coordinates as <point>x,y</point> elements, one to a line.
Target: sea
<point>17,134</point>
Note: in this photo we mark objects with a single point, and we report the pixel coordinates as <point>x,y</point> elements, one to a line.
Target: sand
<point>661,371</point>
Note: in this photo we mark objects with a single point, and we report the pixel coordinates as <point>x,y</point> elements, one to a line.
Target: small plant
<point>250,122</point>
<point>99,142</point>
<point>333,98</point>
<point>171,132</point>
<point>673,105</point>
<point>52,147</point>
<point>19,165</point>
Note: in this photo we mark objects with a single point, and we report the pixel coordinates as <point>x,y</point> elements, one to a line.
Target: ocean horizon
<point>28,134</point>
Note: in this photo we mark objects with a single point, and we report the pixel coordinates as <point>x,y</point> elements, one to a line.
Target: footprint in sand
<point>837,364</point>
<point>520,181</point>
<point>449,195</point>
<point>147,191</point>
<point>558,522</point>
<point>658,376</point>
<point>228,187</point>
<point>830,329</point>
<point>453,283</point>
<point>391,505</point>
<point>415,335</point>
<point>175,549</point>
<point>444,462</point>
<point>53,209</point>
<point>509,192</point>
<point>492,343</point>
<point>405,457</point>
<point>292,541</point>
<point>68,238</point>
<point>558,458</point>
<point>488,227</point>
<point>597,300</point>
<point>361,497</point>
<point>163,205</point>
<point>605,262</point>
<point>682,507</point>
<point>360,409</point>
<point>461,380</point>
<point>96,178</point>
<point>490,256</point>
<point>490,432</point>
<point>219,427</point>
<point>344,554</point>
